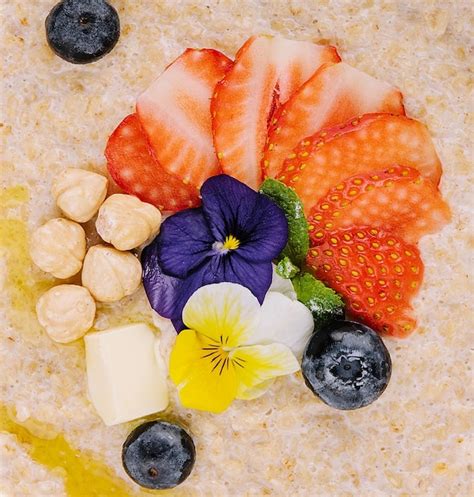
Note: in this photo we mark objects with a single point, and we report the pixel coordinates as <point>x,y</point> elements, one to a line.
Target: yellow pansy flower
<point>230,349</point>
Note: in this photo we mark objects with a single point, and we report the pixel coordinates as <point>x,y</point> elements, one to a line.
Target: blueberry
<point>82,31</point>
<point>158,455</point>
<point>346,365</point>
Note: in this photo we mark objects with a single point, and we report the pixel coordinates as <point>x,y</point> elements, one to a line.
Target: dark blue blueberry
<point>346,365</point>
<point>82,31</point>
<point>158,455</point>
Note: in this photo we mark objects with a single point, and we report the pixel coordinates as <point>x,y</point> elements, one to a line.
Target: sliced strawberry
<point>265,74</point>
<point>397,199</point>
<point>376,273</point>
<point>175,113</point>
<point>296,62</point>
<point>335,94</point>
<point>133,167</point>
<point>370,143</point>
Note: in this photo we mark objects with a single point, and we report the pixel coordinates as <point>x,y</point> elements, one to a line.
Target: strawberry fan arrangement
<point>366,173</point>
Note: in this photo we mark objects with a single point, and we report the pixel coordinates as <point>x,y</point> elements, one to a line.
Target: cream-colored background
<point>415,440</point>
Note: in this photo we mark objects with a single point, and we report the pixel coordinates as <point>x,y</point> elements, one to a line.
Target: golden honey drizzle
<point>84,476</point>
<point>23,290</point>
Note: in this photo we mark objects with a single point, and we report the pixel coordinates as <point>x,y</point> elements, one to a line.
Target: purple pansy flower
<point>233,237</point>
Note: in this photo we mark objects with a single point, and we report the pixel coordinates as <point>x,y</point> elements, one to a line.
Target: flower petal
<point>256,391</point>
<point>285,321</point>
<point>232,268</point>
<point>227,268</point>
<point>233,208</point>
<point>187,287</point>
<point>228,205</point>
<point>258,363</point>
<point>161,290</point>
<point>269,236</point>
<point>256,277</point>
<point>184,242</point>
<point>201,385</point>
<point>282,285</point>
<point>167,295</point>
<point>226,313</point>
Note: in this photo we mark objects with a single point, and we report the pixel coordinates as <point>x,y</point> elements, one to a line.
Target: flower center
<point>230,243</point>
<point>219,358</point>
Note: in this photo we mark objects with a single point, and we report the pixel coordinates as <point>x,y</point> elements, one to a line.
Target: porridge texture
<point>415,441</point>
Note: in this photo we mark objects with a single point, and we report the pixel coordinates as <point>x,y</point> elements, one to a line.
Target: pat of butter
<point>124,375</point>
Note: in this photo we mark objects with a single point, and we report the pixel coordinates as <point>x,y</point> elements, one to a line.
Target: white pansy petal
<point>255,392</point>
<point>285,321</point>
<point>282,285</point>
<point>227,313</point>
<point>257,364</point>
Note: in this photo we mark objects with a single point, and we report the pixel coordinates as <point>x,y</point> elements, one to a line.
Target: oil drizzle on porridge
<point>83,474</point>
<point>17,268</point>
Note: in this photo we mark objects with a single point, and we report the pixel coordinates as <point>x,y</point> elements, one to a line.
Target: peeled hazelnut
<point>79,193</point>
<point>66,312</point>
<point>58,247</point>
<point>126,222</point>
<point>110,274</point>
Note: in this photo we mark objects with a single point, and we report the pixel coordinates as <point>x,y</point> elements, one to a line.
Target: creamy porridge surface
<point>415,441</point>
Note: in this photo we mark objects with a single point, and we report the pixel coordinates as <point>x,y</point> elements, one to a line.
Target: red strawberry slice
<point>133,167</point>
<point>398,199</point>
<point>266,72</point>
<point>370,143</point>
<point>376,273</point>
<point>296,62</point>
<point>175,113</point>
<point>335,94</point>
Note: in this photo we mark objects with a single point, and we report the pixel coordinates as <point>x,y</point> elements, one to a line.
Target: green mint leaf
<point>324,303</point>
<point>298,239</point>
<point>286,269</point>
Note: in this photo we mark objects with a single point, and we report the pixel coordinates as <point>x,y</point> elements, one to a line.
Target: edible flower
<point>230,350</point>
<point>233,238</point>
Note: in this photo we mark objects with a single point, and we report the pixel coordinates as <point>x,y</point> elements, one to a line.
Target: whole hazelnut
<point>58,247</point>
<point>66,312</point>
<point>126,222</point>
<point>110,274</point>
<point>79,193</point>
